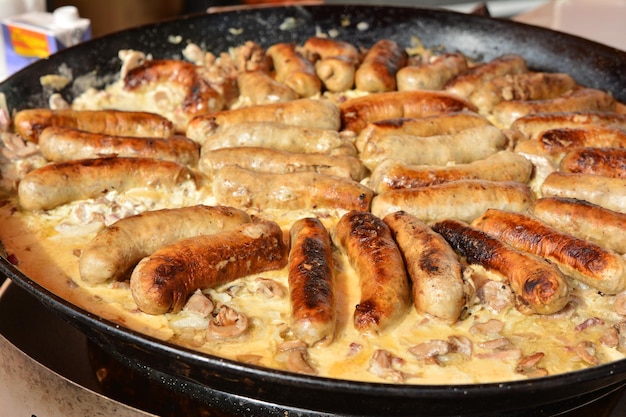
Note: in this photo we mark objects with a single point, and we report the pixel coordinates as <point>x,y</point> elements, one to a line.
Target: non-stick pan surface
<point>250,390</point>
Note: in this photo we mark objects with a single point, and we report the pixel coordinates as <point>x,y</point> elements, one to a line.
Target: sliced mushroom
<point>528,366</point>
<point>297,357</point>
<point>587,351</point>
<point>130,59</point>
<point>200,303</point>
<point>382,365</point>
<point>620,303</point>
<point>227,323</point>
<point>430,350</point>
<point>491,326</point>
<point>496,295</point>
<point>270,288</point>
<point>461,344</point>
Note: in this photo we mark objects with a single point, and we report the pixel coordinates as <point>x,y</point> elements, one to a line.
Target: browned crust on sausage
<point>377,72</point>
<point>385,294</point>
<point>608,162</point>
<point>164,281</point>
<point>581,259</point>
<point>295,70</point>
<point>356,113</point>
<point>537,282</point>
<point>30,123</point>
<point>311,282</point>
<point>60,144</point>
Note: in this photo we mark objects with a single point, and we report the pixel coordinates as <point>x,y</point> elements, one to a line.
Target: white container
<point>35,35</point>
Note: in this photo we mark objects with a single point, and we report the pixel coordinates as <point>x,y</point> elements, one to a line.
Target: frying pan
<point>250,390</point>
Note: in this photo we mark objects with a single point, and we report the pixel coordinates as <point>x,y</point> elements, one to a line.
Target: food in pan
<point>368,212</point>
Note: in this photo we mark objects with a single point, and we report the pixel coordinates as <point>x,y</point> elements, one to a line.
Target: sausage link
<point>502,166</point>
<point>583,260</point>
<point>258,87</point>
<point>431,75</point>
<point>372,252</point>
<point>358,112</point>
<point>115,250</point>
<point>63,182</point>
<point>603,191</point>
<point>434,268</point>
<point>585,220</point>
<point>608,162</point>
<point>462,200</point>
<point>163,281</point>
<point>311,282</point>
<point>533,125</point>
<point>537,282</point>
<point>59,144</point>
<point>293,69</point>
<point>377,72</point>
<point>335,62</point>
<point>239,187</point>
<point>30,123</point>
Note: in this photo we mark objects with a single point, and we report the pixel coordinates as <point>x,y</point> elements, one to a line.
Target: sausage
<point>585,261</point>
<point>30,123</point>
<point>318,48</point>
<point>163,281</point>
<point>282,137</point>
<point>524,86</point>
<point>357,113</point>
<point>377,72</point>
<point>200,97</point>
<point>258,87</point>
<point>462,200</point>
<point>466,146</point>
<point>115,250</point>
<point>433,74</point>
<point>467,82</point>
<point>502,166</point>
<point>63,182</point>
<point>582,99</point>
<point>532,126</point>
<point>583,219</point>
<point>558,141</point>
<point>320,114</point>
<point>235,186</point>
<point>311,282</point>
<point>443,124</point>
<point>538,283</point>
<point>608,162</point>
<point>603,191</point>
<point>282,162</point>
<point>335,62</point>
<point>434,268</point>
<point>60,144</point>
<point>294,70</point>
<point>372,252</point>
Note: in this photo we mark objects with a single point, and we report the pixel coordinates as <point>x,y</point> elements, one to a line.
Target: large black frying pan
<point>249,390</point>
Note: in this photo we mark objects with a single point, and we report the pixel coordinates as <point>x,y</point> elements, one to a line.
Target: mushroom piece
<point>199,303</point>
<point>270,288</point>
<point>297,357</point>
<point>227,323</point>
<point>382,365</point>
<point>431,350</point>
<point>130,59</point>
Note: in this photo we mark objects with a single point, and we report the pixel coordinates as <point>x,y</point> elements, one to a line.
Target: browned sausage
<point>603,191</point>
<point>502,166</point>
<point>282,162</point>
<point>163,281</point>
<point>533,125</point>
<point>462,199</point>
<point>434,268</point>
<point>293,69</point>
<point>335,62</point>
<point>115,250</point>
<point>582,99</point>
<point>585,261</point>
<point>258,87</point>
<point>608,162</point>
<point>377,72</point>
<point>311,282</point>
<point>442,124</point>
<point>59,144</point>
<point>433,74</point>
<point>316,48</point>
<point>524,86</point>
<point>31,122</point>
<point>320,114</point>
<point>63,182</point>
<point>537,282</point>
<point>358,112</point>
<point>585,220</point>
<point>200,96</point>
<point>239,187</point>
<point>467,82</point>
<point>385,293</point>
